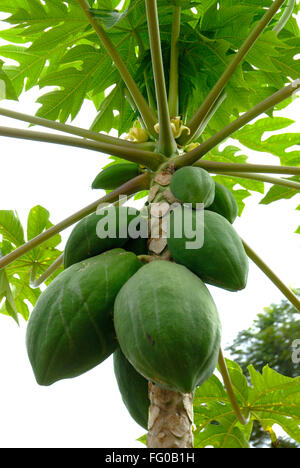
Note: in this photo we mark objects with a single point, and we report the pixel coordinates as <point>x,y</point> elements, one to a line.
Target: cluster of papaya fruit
<point>158,317</point>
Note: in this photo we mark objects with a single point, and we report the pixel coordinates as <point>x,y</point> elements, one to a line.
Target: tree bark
<point>170,421</point>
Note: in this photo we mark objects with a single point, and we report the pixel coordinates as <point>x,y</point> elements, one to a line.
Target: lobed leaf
<point>278,192</point>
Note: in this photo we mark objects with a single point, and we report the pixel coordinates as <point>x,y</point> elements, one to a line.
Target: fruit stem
<point>272,276</point>
<point>36,283</point>
<point>190,158</point>
<point>141,182</point>
<point>210,100</point>
<point>230,391</point>
<point>270,180</point>
<point>147,114</point>
<point>167,144</point>
<point>147,158</point>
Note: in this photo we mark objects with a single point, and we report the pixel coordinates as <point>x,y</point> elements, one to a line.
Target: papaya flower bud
<point>177,127</point>
<point>137,134</point>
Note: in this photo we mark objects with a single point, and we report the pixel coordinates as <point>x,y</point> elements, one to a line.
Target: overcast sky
<point>88,411</point>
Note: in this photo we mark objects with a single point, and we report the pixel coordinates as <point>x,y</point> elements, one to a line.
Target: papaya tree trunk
<point>170,420</point>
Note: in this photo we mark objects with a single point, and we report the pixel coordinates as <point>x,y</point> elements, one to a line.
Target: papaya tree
<point>176,79</point>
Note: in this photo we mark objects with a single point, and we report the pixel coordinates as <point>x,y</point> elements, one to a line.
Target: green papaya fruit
<point>224,203</point>
<point>115,175</point>
<point>71,327</point>
<point>133,388</point>
<point>193,185</point>
<point>221,261</point>
<point>168,326</point>
<point>84,241</point>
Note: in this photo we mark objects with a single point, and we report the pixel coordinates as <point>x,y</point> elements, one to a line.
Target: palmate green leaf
<point>30,69</point>
<point>47,46</point>
<point>275,399</point>
<point>278,192</point>
<point>37,221</point>
<point>22,294</point>
<point>16,278</point>
<point>278,145</point>
<point>270,398</point>
<point>5,293</point>
<point>216,423</point>
<point>34,17</point>
<point>11,228</point>
<point>6,87</point>
<point>223,436</point>
<point>86,71</point>
<point>229,154</point>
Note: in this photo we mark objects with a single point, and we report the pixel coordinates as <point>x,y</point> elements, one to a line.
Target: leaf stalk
<point>36,283</point>
<point>220,167</point>
<point>269,180</point>
<point>174,72</point>
<point>167,143</point>
<point>230,391</point>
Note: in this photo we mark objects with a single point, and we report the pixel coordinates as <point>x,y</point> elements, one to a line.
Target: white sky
<point>88,411</point>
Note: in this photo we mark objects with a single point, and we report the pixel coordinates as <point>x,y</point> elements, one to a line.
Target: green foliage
<point>279,192</point>
<point>15,280</point>
<point>269,398</point>
<point>66,53</point>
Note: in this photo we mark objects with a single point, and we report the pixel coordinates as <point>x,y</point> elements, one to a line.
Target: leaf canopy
<point>62,50</point>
